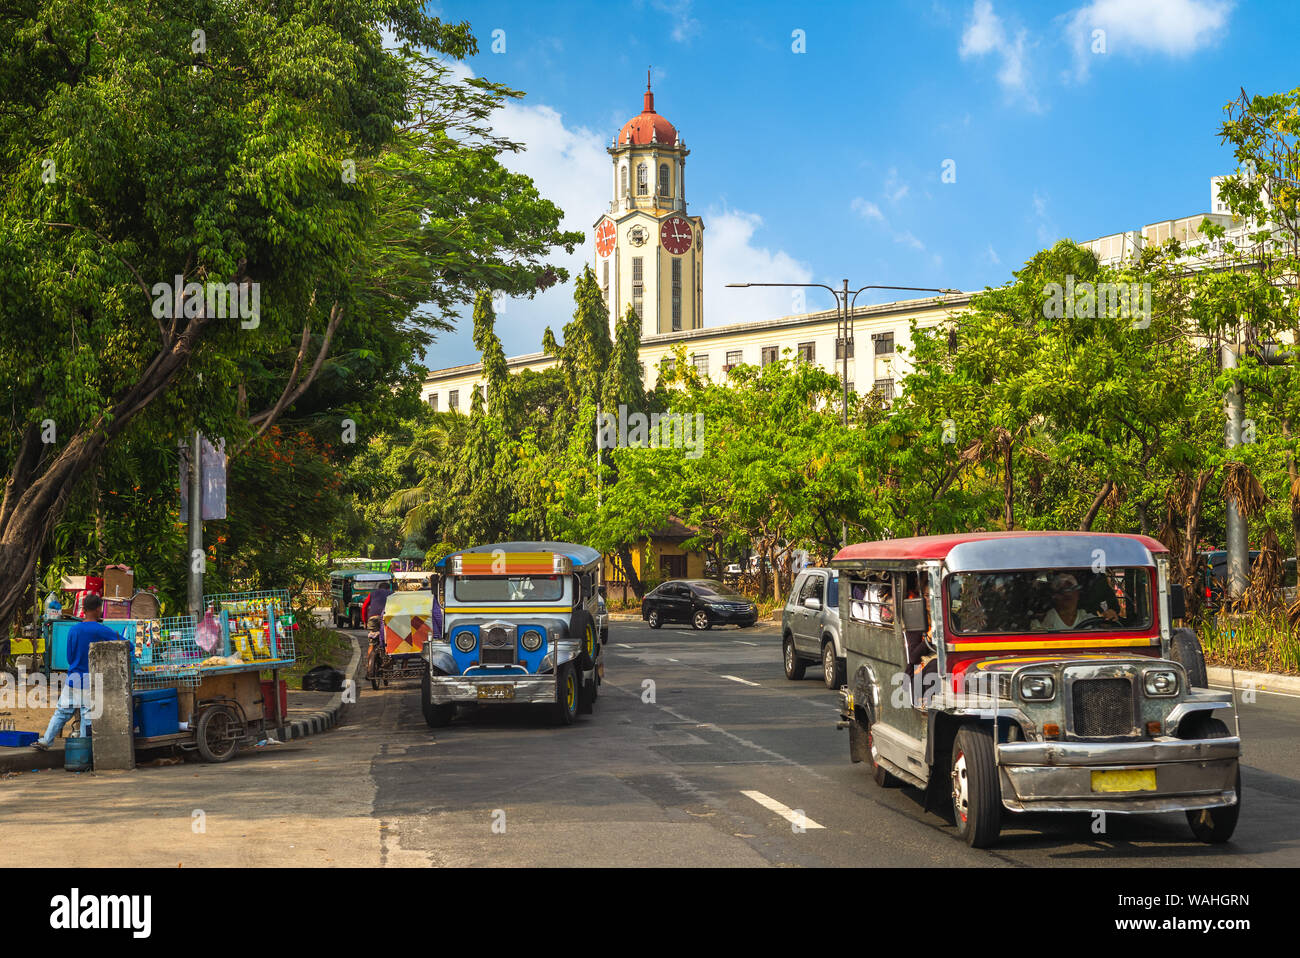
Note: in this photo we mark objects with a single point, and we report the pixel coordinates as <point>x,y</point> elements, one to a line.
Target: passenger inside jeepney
<point>520,588</point>
<point>920,643</point>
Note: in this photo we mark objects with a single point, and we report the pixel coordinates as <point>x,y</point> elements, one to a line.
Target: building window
<point>638,289</point>
<point>807,354</point>
<point>839,348</point>
<point>606,283</point>
<point>625,179</point>
<point>642,179</point>
<point>453,399</point>
<point>770,354</point>
<point>952,341</point>
<point>433,401</point>
<point>640,371</point>
<point>667,365</point>
<point>884,342</point>
<point>701,363</point>
<point>884,388</point>
<point>663,179</point>
<point>735,357</point>
<point>677,293</point>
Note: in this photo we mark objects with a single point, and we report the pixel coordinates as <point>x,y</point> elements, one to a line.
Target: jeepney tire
<point>435,716</point>
<point>879,774</point>
<point>355,620</point>
<point>652,619</point>
<point>567,694</point>
<point>971,764</point>
<point>832,671</point>
<point>794,666</point>
<point>1185,649</point>
<point>1214,826</point>
<point>222,718</point>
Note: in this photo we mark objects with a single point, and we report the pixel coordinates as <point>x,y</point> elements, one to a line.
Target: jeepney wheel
<point>879,775</point>
<point>566,691</point>
<point>1214,826</point>
<point>217,734</point>
<point>700,621</point>
<point>355,620</point>
<point>832,671</point>
<point>794,666</point>
<point>435,716</point>
<point>652,619</point>
<point>976,795</point>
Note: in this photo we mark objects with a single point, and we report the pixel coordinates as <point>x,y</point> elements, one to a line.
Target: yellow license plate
<point>496,692</point>
<point>1125,780</point>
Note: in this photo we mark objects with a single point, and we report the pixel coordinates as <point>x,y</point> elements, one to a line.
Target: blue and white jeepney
<point>519,627</point>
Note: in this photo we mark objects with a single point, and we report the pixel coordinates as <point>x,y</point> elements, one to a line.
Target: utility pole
<point>196,526</point>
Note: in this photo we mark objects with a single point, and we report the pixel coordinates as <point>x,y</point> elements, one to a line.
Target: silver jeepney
<point>1111,718</point>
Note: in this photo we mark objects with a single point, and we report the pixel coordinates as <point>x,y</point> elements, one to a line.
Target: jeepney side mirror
<point>1177,602</point>
<point>914,615</point>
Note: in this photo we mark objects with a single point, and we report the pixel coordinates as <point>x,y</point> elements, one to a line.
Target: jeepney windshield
<point>1049,600</point>
<point>500,588</point>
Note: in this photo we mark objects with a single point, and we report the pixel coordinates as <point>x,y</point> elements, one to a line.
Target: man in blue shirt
<point>76,692</point>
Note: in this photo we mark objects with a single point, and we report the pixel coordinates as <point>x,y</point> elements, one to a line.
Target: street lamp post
<point>844,307</point>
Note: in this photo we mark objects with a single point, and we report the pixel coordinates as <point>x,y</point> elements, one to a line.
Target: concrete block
<point>113,741</point>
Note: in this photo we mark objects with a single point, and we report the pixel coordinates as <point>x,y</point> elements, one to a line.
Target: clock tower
<point>649,252</point>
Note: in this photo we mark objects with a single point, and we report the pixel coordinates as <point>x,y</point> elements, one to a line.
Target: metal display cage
<point>271,604</point>
<point>166,653</point>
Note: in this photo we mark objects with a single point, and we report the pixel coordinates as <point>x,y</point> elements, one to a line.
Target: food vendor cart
<point>213,700</point>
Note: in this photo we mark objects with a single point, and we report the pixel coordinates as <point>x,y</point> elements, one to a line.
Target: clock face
<point>605,237</point>
<point>675,234</point>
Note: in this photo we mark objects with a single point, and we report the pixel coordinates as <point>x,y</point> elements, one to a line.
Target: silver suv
<point>810,626</point>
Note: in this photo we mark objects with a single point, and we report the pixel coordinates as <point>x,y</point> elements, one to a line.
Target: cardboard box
<point>73,583</point>
<point>119,582</point>
<point>117,608</point>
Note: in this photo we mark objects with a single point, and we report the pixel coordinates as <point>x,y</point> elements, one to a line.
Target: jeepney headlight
<point>1037,688</point>
<point>465,640</point>
<point>531,640</point>
<point>1161,682</point>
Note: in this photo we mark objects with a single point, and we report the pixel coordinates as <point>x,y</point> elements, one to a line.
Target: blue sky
<point>818,165</point>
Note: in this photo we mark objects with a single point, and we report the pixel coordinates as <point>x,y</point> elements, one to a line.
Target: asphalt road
<point>726,763</point>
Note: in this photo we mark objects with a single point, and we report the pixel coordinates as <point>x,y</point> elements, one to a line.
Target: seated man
<point>1066,613</point>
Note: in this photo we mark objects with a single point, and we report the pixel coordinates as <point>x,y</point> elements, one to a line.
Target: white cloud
<point>866,209</point>
<point>985,33</point>
<point>895,189</point>
<point>907,239</point>
<point>684,25</point>
<point>1171,27</point>
<point>993,256</point>
<point>731,256</point>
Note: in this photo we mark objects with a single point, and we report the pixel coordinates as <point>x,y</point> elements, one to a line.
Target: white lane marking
<point>742,681</point>
<point>683,632</point>
<point>624,645</point>
<point>789,814</point>
<point>743,642</point>
<point>673,660</point>
<point>1242,688</point>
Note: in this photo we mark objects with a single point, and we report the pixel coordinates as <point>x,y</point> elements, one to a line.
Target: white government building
<point>650,256</point>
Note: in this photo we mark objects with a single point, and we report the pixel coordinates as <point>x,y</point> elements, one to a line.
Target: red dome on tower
<point>648,126</point>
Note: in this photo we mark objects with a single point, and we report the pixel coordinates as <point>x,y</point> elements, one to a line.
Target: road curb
<point>328,717</point>
<point>1260,681</point>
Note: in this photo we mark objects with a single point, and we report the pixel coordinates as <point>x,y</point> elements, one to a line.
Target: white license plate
<point>496,692</point>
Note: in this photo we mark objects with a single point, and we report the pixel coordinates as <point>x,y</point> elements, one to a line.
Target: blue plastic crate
<point>156,712</point>
<point>18,739</point>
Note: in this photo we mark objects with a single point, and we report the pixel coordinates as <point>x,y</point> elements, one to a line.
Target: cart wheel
<point>217,735</point>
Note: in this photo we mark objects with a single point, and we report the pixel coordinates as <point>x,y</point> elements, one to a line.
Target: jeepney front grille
<point>1103,707</point>
<point>498,646</point>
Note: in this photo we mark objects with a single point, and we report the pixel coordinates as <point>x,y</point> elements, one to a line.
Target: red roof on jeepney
<point>938,547</point>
